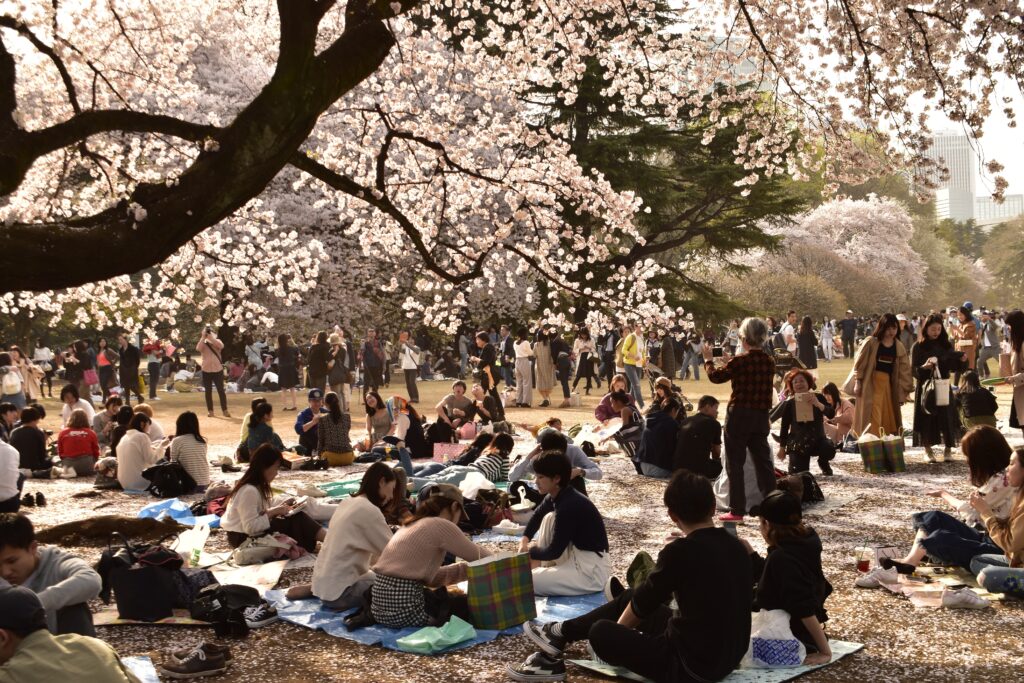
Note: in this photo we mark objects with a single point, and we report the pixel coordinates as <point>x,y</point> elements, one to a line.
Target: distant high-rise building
<point>955,196</point>
<point>987,212</point>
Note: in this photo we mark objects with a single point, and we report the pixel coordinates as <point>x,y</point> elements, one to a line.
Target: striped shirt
<point>191,453</point>
<point>493,465</point>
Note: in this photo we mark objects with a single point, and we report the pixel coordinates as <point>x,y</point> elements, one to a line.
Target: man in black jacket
<point>128,372</point>
<point>606,347</point>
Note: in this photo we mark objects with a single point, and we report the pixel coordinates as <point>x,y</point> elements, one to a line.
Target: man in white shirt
<point>788,331</point>
<point>988,336</point>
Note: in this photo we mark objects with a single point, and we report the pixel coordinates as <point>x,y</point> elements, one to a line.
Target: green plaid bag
<point>894,445</point>
<point>872,453</point>
<point>500,591</point>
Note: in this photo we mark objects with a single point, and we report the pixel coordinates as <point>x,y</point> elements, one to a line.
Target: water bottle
<point>200,533</point>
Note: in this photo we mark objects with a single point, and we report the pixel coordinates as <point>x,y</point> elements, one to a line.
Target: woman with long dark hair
<point>378,420</point>
<point>189,448</point>
<point>544,365</point>
<point>287,370</point>
<point>977,405</point>
<point>106,361</point>
<point>933,356</point>
<point>807,345</point>
<point>881,379</point>
<point>332,433</point>
<point>1015,323</point>
<point>356,537</point>
<point>250,512</point>
<point>585,351</point>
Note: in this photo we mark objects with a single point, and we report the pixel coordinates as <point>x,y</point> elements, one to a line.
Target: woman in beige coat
<point>881,380</point>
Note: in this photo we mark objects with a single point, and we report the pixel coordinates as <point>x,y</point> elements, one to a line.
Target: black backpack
<point>169,480</point>
<point>224,607</point>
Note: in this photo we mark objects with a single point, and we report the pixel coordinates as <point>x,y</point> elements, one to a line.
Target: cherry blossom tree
<point>138,136</point>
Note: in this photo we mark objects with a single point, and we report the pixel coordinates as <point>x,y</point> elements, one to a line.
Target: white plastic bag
<point>257,550</point>
<point>772,644</point>
<point>190,543</point>
<point>473,484</point>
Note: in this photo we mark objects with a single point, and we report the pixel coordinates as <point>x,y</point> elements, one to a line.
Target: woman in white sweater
<point>250,513</point>
<point>355,539</point>
<point>136,453</point>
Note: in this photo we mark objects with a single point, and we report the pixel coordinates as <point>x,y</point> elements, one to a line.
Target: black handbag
<point>168,480</point>
<point>142,578</point>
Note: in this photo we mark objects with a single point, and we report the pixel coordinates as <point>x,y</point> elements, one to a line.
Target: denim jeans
<point>428,469</point>
<point>997,576</point>
<point>633,376</point>
<point>404,457</point>
<point>950,541</point>
<point>649,470</point>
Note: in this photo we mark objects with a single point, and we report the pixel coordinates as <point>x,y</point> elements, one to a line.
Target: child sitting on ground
<point>1003,573</point>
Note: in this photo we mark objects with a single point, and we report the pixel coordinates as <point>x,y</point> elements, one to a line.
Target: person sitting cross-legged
<point>703,638</point>
<point>570,553</point>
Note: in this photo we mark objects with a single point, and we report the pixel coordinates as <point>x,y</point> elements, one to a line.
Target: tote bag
<point>872,453</point>
<point>500,591</point>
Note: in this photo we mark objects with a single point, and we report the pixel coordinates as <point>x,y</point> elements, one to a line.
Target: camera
<point>207,329</point>
<point>718,352</point>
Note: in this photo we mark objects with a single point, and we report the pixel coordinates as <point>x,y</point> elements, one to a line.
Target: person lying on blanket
<point>356,537</point>
<point>492,463</point>
<point>410,568</point>
<point>790,578</point>
<point>65,583</point>
<point>570,555</point>
<point>705,569</point>
<point>957,540</point>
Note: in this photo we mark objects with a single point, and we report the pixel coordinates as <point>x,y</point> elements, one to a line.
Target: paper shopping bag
<point>500,591</point>
<point>804,409</point>
<point>893,446</point>
<point>1005,367</point>
<point>446,452</point>
<point>872,453</point>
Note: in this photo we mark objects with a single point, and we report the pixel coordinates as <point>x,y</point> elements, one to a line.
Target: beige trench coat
<point>863,371</point>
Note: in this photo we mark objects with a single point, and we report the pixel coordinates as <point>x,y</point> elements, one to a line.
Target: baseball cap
<point>900,316</point>
<point>447,491</point>
<point>849,310</point>
<point>779,507</point>
<point>20,610</point>
<point>316,395</point>
<point>969,306</point>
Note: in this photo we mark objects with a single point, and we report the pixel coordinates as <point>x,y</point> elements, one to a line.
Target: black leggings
<point>645,650</point>
<point>410,384</point>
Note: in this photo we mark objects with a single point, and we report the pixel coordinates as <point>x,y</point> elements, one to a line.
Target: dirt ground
<point>902,643</point>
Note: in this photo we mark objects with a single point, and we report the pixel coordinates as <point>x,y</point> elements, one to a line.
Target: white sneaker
<point>69,473</point>
<point>930,454</point>
<point>963,598</point>
<point>876,577</point>
<point>311,491</point>
<point>56,472</point>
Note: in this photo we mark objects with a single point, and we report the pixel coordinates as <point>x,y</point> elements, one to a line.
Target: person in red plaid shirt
<point>746,424</point>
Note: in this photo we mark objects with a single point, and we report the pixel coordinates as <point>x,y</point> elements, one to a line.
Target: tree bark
<point>242,159</point>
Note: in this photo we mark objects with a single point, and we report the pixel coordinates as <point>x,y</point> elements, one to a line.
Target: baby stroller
<point>784,362</point>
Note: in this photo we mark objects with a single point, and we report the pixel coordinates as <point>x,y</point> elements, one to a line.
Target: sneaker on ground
<point>40,499</point>
<point>876,577</point>
<point>613,588</point>
<point>55,472</point>
<point>963,598</point>
<point>537,667</point>
<point>542,636</point>
<point>729,517</point>
<point>69,473</point>
<point>260,615</point>
<point>195,664</point>
<point>211,650</point>
<point>593,655</point>
<point>28,501</point>
<point>311,491</point>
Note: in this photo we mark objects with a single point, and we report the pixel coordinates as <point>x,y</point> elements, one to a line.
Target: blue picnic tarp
<point>175,509</point>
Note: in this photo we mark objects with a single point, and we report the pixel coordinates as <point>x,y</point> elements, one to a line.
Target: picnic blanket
<point>840,649</point>
<point>142,667</point>
<point>108,617</point>
<point>175,509</point>
<point>345,488</point>
<point>311,614</point>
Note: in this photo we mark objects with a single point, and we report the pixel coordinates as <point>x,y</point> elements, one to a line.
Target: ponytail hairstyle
<point>333,404</point>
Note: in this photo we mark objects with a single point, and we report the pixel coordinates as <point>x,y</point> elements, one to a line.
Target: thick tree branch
<point>244,157</point>
<point>65,76</point>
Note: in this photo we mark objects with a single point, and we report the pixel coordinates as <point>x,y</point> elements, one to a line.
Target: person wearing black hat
<point>790,577</point>
<point>29,652</point>
<point>307,421</point>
